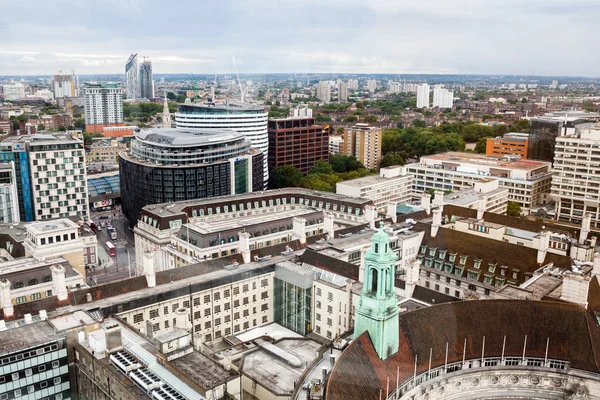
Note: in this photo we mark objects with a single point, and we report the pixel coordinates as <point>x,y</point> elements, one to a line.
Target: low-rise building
<point>485,195</point>
<point>106,150</point>
<point>510,144</point>
<point>392,185</point>
<point>528,181</point>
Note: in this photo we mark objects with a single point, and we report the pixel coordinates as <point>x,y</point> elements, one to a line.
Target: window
<point>318,316</point>
<point>265,319</point>
<point>137,318</point>
<point>153,314</point>
<point>207,324</point>
<point>246,325</point>
<point>55,364</point>
<point>197,301</point>
<point>264,295</point>
<point>206,312</point>
<point>318,291</point>
<point>217,296</point>
<point>329,296</point>
<point>329,321</point>
<point>318,304</point>
<point>57,381</point>
<point>329,309</point>
<point>236,290</point>
<point>186,304</point>
<point>207,298</point>
<point>175,307</point>
<point>245,288</point>
<point>264,307</point>
<point>226,293</point>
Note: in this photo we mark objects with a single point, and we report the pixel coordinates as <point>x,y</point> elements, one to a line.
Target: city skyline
<point>380,36</point>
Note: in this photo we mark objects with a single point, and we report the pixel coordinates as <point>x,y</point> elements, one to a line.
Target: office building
<point>371,85</point>
<point>342,90</point>
<point>442,98</point>
<point>392,185</point>
<point>146,80</point>
<point>246,119</point>
<point>485,195</point>
<point>575,186</point>
<point>169,165</point>
<point>103,106</point>
<point>9,200</point>
<point>423,95</point>
<point>297,142</point>
<point>132,77</point>
<point>51,168</point>
<point>34,362</point>
<point>363,141</point>
<point>352,84</point>
<point>13,91</point>
<point>324,91</point>
<point>106,150</point>
<point>511,144</point>
<point>545,129</point>
<point>64,85</point>
<point>528,181</point>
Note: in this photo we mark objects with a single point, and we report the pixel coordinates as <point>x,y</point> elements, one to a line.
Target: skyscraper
<point>353,84</point>
<point>64,85</point>
<point>324,91</point>
<point>423,96</point>
<point>103,106</point>
<point>131,76</point>
<point>371,85</point>
<point>146,81</point>
<point>442,98</point>
<point>363,141</point>
<point>342,89</point>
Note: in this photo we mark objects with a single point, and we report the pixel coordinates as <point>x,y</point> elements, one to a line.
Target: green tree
<point>513,209</point>
<point>512,101</point>
<point>286,176</point>
<point>521,125</point>
<point>481,145</point>
<point>419,123</point>
<point>62,129</point>
<point>171,96</point>
<point>340,130</point>
<point>322,118</point>
<point>321,167</point>
<point>181,98</point>
<point>524,100</point>
<point>589,106</point>
<point>79,123</point>
<point>40,127</point>
<point>370,119</point>
<point>392,159</point>
<point>351,118</point>
<point>341,163</point>
<point>360,104</point>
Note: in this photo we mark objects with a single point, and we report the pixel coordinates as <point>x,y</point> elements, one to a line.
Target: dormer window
<point>442,254</point>
<point>491,268</point>
<point>477,263</point>
<point>432,251</point>
<point>452,257</point>
<point>423,249</point>
<point>515,275</point>
<point>463,260</point>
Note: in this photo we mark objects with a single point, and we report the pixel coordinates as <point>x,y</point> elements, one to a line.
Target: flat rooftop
<point>41,138</point>
<point>371,180</point>
<point>231,106</point>
<point>70,321</point>
<point>202,370</point>
<point>25,336</point>
<point>185,137</point>
<point>43,227</point>
<point>16,230</point>
<point>273,330</point>
<point>29,263</point>
<point>278,366</point>
<point>467,196</point>
<point>488,161</point>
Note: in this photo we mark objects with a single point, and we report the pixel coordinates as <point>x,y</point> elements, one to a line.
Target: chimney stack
<point>299,230</point>
<point>5,299</point>
<point>426,203</point>
<point>148,265</point>
<point>585,228</point>
<point>59,286</point>
<point>245,246</point>
<point>438,199</point>
<point>437,221</point>
<point>328,226</point>
<point>371,215</point>
<point>544,245</point>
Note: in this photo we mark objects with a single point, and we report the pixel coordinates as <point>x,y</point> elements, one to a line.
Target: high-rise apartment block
<point>13,91</point>
<point>64,86</point>
<point>146,80</point>
<point>371,85</point>
<point>423,96</point>
<point>324,91</point>
<point>363,141</point>
<point>352,84</point>
<point>52,175</point>
<point>442,98</point>
<point>103,106</point>
<point>9,200</point>
<point>132,77</point>
<point>342,89</point>
<point>576,172</point>
<point>298,142</point>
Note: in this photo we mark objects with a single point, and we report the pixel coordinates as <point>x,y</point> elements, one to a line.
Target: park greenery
<point>323,176</point>
<point>145,111</point>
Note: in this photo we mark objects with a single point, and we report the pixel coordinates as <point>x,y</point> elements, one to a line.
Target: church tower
<point>377,311</point>
<point>166,117</point>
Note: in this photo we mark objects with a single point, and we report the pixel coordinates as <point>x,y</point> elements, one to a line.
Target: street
<point>113,268</point>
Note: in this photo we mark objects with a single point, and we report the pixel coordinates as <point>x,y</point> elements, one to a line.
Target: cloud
<point>330,36</point>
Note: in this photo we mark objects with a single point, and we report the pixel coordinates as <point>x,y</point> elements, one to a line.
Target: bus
<point>111,249</point>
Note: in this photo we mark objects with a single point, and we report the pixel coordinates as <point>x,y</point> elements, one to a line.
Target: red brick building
<point>298,142</point>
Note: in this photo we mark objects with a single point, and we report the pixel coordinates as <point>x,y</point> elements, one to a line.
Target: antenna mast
<point>242,90</point>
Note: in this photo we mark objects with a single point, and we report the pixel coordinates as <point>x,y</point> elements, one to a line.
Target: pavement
<point>113,268</point>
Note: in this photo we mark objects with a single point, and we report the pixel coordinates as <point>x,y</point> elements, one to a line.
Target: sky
<point>506,37</point>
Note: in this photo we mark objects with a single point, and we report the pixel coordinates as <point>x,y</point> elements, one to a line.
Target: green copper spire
<point>377,311</point>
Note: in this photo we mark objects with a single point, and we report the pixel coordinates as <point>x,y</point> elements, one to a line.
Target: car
<point>103,217</point>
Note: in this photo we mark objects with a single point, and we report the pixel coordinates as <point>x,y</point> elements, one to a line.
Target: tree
<point>341,163</point>
<point>351,118</point>
<point>370,119</point>
<point>62,129</point>
<point>481,145</point>
<point>79,123</point>
<point>322,118</point>
<point>521,125</point>
<point>286,176</point>
<point>392,159</point>
<point>321,167</point>
<point>419,123</point>
<point>524,100</point>
<point>181,98</point>
<point>40,127</point>
<point>513,209</point>
<point>171,96</point>
<point>340,130</point>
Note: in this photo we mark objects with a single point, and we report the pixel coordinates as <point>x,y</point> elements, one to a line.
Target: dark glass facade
<point>24,189</point>
<point>542,139</point>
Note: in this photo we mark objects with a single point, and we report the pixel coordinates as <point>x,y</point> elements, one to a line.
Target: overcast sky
<point>545,37</point>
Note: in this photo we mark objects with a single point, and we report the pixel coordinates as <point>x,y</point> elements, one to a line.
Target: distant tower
<point>166,117</point>
<point>377,311</point>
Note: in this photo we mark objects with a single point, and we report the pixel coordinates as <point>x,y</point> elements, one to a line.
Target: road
<point>113,268</point>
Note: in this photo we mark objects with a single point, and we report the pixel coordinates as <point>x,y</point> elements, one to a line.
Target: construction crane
<point>242,89</point>
<point>195,87</point>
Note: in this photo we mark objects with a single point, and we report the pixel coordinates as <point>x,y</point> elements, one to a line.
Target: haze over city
<point>512,37</point>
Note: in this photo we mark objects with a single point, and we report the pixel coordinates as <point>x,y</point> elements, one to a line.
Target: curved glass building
<point>169,165</point>
<point>247,119</point>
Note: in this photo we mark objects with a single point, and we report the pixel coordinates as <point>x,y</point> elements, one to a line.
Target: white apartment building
<point>335,144</point>
<point>485,195</point>
<point>371,85</point>
<point>301,112</point>
<point>9,201</point>
<point>103,103</point>
<point>13,91</point>
<point>576,175</point>
<point>528,181</point>
<point>324,91</point>
<point>64,86</point>
<point>392,185</point>
<point>342,90</point>
<point>442,98</point>
<point>352,84</point>
<point>395,87</point>
<point>57,174</point>
<point>423,96</point>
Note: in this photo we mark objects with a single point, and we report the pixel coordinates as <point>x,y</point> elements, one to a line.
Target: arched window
<point>19,285</point>
<point>374,280</point>
<point>47,278</point>
<point>33,281</point>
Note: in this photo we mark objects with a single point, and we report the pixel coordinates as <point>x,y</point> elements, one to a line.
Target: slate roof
<point>573,334</point>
